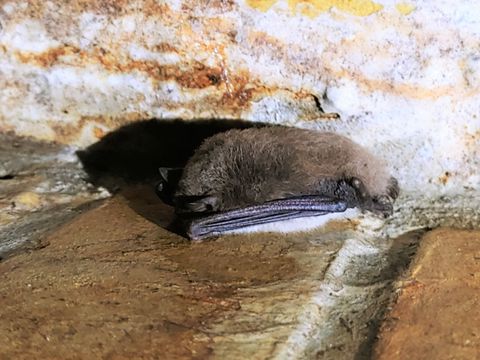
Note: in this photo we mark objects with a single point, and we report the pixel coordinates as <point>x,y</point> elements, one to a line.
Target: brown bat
<point>249,177</point>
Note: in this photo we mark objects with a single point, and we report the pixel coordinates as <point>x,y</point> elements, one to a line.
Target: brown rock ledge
<point>111,284</point>
<point>437,314</point>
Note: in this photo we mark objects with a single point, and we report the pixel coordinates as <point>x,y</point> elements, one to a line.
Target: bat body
<point>243,178</point>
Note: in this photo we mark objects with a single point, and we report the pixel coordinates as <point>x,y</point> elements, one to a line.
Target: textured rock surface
<point>113,284</point>
<point>436,315</point>
<point>41,186</point>
<point>403,76</point>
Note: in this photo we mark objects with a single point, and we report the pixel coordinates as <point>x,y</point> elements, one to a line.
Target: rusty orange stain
<point>200,76</point>
<point>98,132</point>
<point>238,98</point>
<point>164,47</point>
<point>445,177</point>
<point>406,90</point>
<point>47,58</point>
<point>117,7</point>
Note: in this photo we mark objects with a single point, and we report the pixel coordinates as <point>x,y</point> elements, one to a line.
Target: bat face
<point>244,178</point>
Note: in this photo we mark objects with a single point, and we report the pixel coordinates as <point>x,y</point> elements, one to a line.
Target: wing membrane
<point>199,227</point>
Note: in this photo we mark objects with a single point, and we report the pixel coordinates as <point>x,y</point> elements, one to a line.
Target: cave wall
<point>403,77</point>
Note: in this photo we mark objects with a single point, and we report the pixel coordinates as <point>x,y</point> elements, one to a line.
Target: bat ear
<point>164,173</point>
<point>197,204</point>
<point>167,173</point>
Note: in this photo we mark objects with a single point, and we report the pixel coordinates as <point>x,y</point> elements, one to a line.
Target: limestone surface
<point>42,185</point>
<point>115,283</point>
<point>436,313</point>
<point>402,76</point>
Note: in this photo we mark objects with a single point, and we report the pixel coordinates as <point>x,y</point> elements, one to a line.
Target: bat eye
<point>164,192</point>
<point>160,187</point>
<point>196,204</point>
<point>211,203</point>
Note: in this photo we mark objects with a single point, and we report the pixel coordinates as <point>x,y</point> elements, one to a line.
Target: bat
<point>242,178</point>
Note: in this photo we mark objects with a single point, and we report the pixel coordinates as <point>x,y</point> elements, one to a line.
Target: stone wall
<point>400,77</point>
<point>404,77</point>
